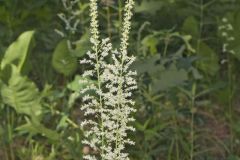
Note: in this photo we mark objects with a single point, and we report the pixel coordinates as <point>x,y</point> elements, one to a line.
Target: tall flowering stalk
<point>108,104</point>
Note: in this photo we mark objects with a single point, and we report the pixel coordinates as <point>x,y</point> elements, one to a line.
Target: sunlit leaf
<point>21,94</point>
<point>150,42</point>
<point>17,52</point>
<point>76,85</point>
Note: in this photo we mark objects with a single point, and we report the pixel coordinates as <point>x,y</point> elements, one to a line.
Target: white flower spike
<point>107,105</point>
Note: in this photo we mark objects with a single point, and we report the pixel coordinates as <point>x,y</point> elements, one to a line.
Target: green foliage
<point>166,78</point>
<point>163,78</point>
<point>150,7</point>
<point>187,84</point>
<point>208,59</point>
<point>34,127</point>
<point>17,52</point>
<point>82,46</point>
<point>150,42</point>
<point>63,60</point>
<point>76,85</point>
<point>209,62</point>
<point>191,26</point>
<point>21,94</point>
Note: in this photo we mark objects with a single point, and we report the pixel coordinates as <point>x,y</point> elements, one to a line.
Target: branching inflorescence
<point>70,20</point>
<point>107,104</point>
<point>225,29</point>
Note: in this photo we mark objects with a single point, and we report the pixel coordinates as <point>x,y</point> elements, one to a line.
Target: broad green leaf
<point>82,46</point>
<point>150,42</point>
<point>208,61</point>
<point>166,78</point>
<point>18,51</point>
<point>34,127</point>
<point>76,85</point>
<point>21,94</point>
<point>191,26</point>
<point>63,61</point>
<point>149,6</point>
<point>146,65</point>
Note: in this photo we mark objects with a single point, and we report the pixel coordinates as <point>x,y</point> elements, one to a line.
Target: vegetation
<point>187,62</point>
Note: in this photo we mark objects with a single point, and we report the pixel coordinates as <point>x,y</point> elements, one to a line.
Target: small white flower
<point>224,34</point>
<point>110,107</point>
<point>232,52</point>
<point>229,27</point>
<point>231,39</point>
<point>225,47</point>
<point>224,61</point>
<point>221,27</point>
<point>224,19</point>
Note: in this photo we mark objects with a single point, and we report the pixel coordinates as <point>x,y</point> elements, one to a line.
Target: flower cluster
<point>107,104</point>
<point>70,18</point>
<point>225,29</point>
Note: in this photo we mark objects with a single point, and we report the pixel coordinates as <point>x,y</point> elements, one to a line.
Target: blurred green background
<point>188,54</point>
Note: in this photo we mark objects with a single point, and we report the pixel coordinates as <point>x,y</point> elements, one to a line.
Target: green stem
<point>9,129</point>
<point>230,104</point>
<point>200,26</point>
<point>166,42</point>
<point>192,121</point>
<point>72,123</point>
<point>120,92</point>
<point>109,22</point>
<point>176,135</point>
<point>120,14</point>
<point>192,135</point>
<point>139,36</point>
<point>193,93</point>
<point>177,145</point>
<point>100,99</point>
<point>5,152</point>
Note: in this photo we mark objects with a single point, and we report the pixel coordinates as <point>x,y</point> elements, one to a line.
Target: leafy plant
<point>18,91</point>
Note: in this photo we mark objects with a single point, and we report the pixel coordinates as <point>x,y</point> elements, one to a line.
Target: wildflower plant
<point>226,30</point>
<point>70,19</point>
<point>107,104</point>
